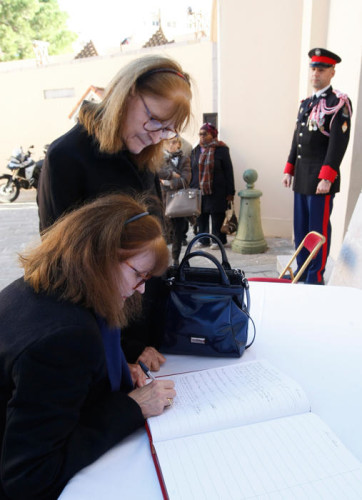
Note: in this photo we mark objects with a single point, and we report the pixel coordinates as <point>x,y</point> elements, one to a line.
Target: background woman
<point>117,146</point>
<point>175,174</point>
<point>212,172</point>
<point>67,394</point>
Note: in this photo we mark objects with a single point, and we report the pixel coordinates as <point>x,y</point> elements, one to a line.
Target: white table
<point>312,333</point>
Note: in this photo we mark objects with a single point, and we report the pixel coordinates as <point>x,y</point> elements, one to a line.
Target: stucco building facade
<point>253,71</point>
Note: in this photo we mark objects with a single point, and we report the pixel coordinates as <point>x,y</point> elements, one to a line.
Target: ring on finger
<point>170,402</point>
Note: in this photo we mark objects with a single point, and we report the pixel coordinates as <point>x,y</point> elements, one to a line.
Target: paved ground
<point>19,228</point>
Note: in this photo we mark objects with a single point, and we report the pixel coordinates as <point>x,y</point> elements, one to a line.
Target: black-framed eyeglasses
<point>144,276</point>
<point>153,125</point>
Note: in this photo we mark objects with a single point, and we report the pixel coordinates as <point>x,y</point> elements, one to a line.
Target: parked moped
<point>25,174</point>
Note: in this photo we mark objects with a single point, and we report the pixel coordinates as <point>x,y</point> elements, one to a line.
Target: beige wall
<point>345,36</point>
<point>31,119</point>
<point>263,71</point>
<point>254,77</point>
<point>258,96</point>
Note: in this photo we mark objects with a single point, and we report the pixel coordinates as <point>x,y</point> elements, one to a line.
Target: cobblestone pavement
<point>257,265</point>
<point>19,228</point>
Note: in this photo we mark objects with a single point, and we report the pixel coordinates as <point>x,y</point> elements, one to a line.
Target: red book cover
<point>157,464</point>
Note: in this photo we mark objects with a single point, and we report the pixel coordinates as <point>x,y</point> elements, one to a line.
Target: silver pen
<point>146,370</point>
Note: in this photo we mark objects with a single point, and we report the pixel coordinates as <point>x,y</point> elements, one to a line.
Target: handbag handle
<point>225,263</point>
<point>185,263</point>
<point>224,280</point>
<point>231,206</point>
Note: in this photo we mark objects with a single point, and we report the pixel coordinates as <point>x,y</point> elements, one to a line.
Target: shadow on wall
<point>347,270</point>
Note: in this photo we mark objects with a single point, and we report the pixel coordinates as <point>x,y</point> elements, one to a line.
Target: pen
<point>146,370</point>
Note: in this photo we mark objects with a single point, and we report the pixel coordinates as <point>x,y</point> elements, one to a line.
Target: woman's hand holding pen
<point>153,398</point>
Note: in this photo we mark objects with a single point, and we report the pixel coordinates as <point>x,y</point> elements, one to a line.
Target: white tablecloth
<point>312,333</point>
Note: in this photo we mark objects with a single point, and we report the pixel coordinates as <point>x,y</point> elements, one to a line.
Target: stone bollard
<point>249,237</point>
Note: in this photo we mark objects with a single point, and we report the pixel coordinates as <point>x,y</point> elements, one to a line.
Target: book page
<point>228,396</point>
<point>296,457</point>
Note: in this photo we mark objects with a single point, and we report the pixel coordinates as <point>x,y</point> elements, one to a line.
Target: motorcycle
<point>25,174</point>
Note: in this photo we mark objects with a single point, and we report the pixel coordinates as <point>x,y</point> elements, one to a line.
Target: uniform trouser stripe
<point>312,213</point>
<point>326,231</point>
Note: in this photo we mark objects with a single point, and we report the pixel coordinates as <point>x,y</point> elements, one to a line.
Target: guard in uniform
<point>320,140</point>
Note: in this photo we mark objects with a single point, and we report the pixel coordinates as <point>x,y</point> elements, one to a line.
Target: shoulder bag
<point>206,308</point>
<point>184,202</point>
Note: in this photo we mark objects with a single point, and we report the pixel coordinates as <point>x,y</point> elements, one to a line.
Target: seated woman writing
<point>67,394</point>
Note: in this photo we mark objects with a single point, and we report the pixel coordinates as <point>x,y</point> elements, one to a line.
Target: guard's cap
<point>323,57</point>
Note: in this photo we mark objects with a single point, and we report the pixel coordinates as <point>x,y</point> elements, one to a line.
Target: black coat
<point>57,411</point>
<point>75,170</point>
<point>311,149</point>
<point>223,183</point>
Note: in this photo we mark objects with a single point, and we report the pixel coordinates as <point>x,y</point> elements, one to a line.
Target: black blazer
<point>57,411</point>
<point>311,149</point>
<point>75,171</point>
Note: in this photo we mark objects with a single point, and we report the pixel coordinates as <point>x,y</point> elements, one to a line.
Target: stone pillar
<point>249,238</point>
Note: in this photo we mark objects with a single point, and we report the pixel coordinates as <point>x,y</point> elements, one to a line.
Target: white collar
<point>320,92</point>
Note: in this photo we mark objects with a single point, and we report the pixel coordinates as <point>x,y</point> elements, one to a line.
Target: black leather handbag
<point>206,308</point>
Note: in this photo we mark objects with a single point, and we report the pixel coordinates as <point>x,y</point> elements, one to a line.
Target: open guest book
<point>245,431</point>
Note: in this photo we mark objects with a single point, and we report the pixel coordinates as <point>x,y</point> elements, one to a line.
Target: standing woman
<point>66,393</point>
<point>117,147</point>
<point>212,172</point>
<point>175,174</point>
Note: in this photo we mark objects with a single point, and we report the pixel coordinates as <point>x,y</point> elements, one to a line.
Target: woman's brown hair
<point>79,255</point>
<point>105,119</point>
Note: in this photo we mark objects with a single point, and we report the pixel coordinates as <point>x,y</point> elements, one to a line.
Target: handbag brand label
<point>198,340</point>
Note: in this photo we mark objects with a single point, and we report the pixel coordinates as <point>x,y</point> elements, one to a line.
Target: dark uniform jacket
<point>223,183</point>
<point>313,155</point>
<point>75,170</point>
<point>57,411</point>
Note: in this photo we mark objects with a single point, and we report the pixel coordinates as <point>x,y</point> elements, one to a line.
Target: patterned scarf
<point>206,166</point>
<point>175,158</point>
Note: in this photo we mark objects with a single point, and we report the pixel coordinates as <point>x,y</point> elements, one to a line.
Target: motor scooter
<point>25,174</point>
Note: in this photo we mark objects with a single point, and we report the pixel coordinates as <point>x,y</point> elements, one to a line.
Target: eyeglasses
<point>153,125</point>
<point>144,276</point>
